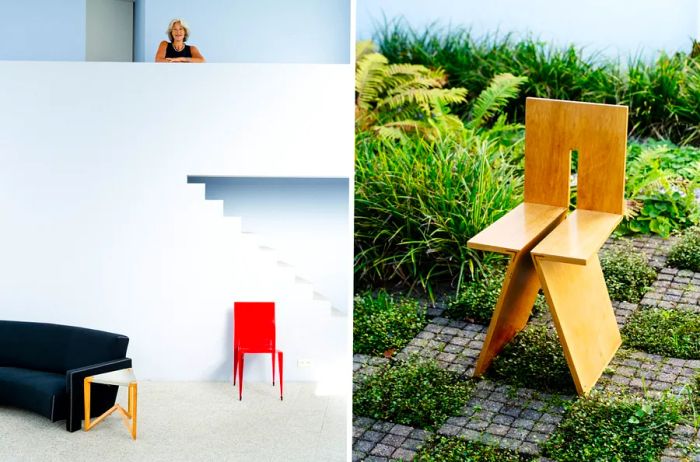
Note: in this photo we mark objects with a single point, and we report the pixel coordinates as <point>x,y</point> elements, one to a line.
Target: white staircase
<point>312,333</point>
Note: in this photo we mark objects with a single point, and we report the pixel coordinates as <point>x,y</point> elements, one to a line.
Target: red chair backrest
<point>254,325</point>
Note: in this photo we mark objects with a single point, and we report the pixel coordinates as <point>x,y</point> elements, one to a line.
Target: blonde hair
<point>184,25</point>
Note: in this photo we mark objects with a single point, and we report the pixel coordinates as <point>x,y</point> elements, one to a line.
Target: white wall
<point>46,30</point>
<point>262,31</point>
<point>613,28</point>
<point>99,228</point>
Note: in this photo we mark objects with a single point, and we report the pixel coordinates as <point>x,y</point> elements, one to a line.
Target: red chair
<point>254,332</point>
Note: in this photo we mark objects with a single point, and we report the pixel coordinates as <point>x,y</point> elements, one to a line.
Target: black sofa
<point>42,367</point>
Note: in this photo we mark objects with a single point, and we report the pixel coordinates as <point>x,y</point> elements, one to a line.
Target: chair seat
<point>523,226</point>
<point>577,238</point>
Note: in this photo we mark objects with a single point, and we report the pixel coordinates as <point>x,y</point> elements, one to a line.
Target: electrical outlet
<point>304,363</point>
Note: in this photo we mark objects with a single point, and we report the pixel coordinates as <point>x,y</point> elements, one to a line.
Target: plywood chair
<point>553,129</point>
<point>567,259</point>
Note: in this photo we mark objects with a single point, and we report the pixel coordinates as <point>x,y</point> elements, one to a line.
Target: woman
<point>176,51</point>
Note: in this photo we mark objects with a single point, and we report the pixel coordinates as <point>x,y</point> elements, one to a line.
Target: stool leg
<point>86,393</point>
<point>132,407</point>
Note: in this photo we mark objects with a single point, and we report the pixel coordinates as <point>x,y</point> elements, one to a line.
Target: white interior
<point>100,227</point>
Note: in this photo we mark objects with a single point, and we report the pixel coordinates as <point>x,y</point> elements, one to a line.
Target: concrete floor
<point>193,421</point>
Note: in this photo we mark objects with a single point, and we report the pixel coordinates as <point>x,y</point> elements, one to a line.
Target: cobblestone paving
<point>674,288</point>
<point>516,419</point>
<point>520,419</point>
<point>364,366</point>
<point>684,438</point>
<point>645,373</point>
<point>656,248</point>
<point>455,345</point>
<point>375,440</point>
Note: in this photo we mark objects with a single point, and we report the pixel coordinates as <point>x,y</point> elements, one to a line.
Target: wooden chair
<point>558,254</point>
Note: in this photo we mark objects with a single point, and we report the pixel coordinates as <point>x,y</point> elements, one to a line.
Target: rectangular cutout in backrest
<point>547,152</point>
<point>598,132</point>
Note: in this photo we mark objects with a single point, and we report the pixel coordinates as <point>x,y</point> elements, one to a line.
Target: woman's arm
<point>196,55</point>
<point>160,54</point>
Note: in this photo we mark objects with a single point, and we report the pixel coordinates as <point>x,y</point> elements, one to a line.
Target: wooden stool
<point>122,378</point>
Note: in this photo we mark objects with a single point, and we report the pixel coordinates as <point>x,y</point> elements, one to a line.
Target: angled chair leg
<point>512,310</point>
<point>235,364</point>
<point>583,315</point>
<point>281,358</point>
<point>241,362</point>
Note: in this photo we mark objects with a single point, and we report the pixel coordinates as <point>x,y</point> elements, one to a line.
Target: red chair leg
<point>241,362</point>
<point>281,374</point>
<point>273,368</point>
<point>235,364</point>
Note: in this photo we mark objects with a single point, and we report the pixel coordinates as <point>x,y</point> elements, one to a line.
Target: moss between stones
<point>614,428</point>
<point>674,333</point>
<point>454,449</point>
<point>414,392</point>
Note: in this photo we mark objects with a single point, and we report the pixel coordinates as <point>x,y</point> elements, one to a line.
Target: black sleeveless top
<point>170,52</point>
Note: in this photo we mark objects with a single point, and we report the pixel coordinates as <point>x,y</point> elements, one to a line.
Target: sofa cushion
<point>41,392</point>
<point>56,348</point>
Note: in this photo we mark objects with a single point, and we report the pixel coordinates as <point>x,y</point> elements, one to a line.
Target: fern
<point>502,88</point>
<point>397,100</point>
<point>369,79</point>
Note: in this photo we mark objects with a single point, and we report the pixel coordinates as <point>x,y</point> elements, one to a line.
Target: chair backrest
<point>254,325</point>
<point>597,132</point>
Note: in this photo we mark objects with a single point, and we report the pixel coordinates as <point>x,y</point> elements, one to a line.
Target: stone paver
<point>656,248</point>
<point>365,365</point>
<point>455,345</point>
<point>674,288</point>
<point>373,439</point>
<point>684,445</point>
<point>647,374</point>
<point>517,419</point>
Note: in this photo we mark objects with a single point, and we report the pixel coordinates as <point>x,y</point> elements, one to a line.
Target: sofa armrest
<point>74,387</point>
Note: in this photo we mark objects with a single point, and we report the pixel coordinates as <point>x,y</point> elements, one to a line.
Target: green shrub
<point>477,299</point>
<point>661,183</point>
<point>413,392</point>
<point>674,333</point>
<point>382,322</point>
<point>417,204</point>
<point>685,253</point>
<point>663,96</point>
<point>627,272</point>
<point>628,429</point>
<point>454,449</point>
<point>534,359</point>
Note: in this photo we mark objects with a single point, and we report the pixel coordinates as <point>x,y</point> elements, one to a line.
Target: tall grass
<point>418,202</point>
<point>663,96</point>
